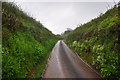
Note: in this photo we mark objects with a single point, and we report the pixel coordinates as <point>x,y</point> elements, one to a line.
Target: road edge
<point>88,65</point>
<point>46,65</point>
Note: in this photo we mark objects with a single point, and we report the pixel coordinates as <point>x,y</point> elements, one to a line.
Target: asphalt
<point>63,63</point>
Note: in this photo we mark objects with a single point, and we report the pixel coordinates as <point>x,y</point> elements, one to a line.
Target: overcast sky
<point>57,16</point>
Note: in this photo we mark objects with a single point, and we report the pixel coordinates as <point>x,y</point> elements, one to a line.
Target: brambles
<point>97,42</point>
<point>26,43</point>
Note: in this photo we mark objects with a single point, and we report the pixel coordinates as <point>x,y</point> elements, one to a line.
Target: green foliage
<point>97,42</point>
<point>26,43</point>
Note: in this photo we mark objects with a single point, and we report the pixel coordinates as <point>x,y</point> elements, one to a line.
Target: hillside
<point>26,44</point>
<point>98,42</point>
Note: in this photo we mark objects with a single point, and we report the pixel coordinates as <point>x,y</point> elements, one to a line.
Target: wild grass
<point>26,43</point>
<point>98,43</point>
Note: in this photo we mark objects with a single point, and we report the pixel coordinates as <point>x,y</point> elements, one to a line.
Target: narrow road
<point>63,63</point>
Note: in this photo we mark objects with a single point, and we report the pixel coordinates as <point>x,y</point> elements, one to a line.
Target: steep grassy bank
<point>26,43</point>
<point>98,42</point>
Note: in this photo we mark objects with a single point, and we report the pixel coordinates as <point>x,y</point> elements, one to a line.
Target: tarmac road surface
<point>63,63</point>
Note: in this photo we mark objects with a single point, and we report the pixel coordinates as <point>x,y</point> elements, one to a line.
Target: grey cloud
<point>57,16</point>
